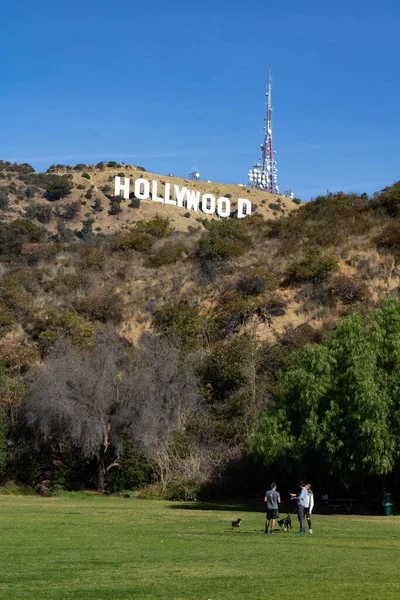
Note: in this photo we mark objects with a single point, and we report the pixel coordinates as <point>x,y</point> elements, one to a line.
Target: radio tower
<point>264,174</point>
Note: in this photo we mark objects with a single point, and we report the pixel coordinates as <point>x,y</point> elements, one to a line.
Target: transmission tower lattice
<point>264,174</point>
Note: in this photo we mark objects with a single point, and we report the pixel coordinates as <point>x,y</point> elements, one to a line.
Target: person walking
<point>272,498</point>
<point>309,509</point>
<point>302,504</point>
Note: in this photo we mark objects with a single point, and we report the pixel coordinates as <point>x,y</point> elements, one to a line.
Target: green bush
<point>134,470</point>
<point>7,319</point>
<point>57,187</point>
<point>135,240</point>
<point>68,211</point>
<point>86,175</point>
<point>17,233</point>
<point>97,206</point>
<point>4,200</point>
<point>388,241</point>
<point>89,193</point>
<point>65,323</point>
<point>224,240</point>
<point>388,200</point>
<point>168,254</point>
<point>158,227</point>
<point>180,320</point>
<point>233,311</point>
<point>315,265</point>
<point>134,203</point>
<point>41,212</point>
<point>115,205</point>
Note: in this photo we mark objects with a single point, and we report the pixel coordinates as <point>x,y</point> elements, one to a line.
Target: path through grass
<point>88,547</point>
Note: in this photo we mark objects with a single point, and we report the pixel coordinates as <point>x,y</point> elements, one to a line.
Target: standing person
<point>308,511</point>
<point>272,498</point>
<point>302,504</point>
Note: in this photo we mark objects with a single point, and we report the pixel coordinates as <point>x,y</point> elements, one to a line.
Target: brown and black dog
<point>236,524</point>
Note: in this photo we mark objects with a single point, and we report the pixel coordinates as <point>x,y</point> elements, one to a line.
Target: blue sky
<point>172,85</point>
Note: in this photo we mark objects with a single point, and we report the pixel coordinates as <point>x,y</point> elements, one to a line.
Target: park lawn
<point>90,547</point>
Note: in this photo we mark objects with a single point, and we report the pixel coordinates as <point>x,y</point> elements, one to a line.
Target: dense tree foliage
<point>340,399</point>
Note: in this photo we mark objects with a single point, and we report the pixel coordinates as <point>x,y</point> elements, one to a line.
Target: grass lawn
<point>88,547</point>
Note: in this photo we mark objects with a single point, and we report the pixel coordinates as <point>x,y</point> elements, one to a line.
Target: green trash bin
<point>389,510</point>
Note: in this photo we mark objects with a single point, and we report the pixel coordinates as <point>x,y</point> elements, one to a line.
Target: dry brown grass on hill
<point>103,179</point>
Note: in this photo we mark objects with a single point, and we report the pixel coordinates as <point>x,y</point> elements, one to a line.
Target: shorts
<point>272,513</point>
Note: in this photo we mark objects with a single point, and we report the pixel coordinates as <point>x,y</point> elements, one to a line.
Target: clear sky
<point>170,85</point>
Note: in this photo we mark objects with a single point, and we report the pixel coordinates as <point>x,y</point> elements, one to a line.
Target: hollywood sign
<point>183,197</point>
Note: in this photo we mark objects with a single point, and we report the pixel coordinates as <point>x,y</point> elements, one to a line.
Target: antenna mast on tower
<point>264,174</point>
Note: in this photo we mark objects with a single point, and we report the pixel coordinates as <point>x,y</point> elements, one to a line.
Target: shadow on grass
<point>237,506</point>
<point>257,507</point>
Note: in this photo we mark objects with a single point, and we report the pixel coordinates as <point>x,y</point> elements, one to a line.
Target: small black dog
<point>285,523</point>
<point>236,524</point>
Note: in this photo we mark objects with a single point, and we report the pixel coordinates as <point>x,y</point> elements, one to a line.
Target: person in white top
<point>309,509</point>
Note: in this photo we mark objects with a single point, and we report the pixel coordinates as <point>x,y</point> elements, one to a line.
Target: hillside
<point>191,319</point>
<point>23,190</point>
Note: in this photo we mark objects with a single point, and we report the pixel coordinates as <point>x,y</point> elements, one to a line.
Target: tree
<point>340,399</point>
<point>57,187</point>
<point>94,398</point>
<point>17,233</point>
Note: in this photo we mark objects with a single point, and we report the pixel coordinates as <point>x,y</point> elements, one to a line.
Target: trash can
<point>389,510</point>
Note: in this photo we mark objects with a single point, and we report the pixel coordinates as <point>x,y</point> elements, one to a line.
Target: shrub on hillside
<point>256,281</point>
<point>41,212</point>
<point>65,323</point>
<point>134,203</point>
<point>30,192</point>
<point>134,240</point>
<point>17,233</point>
<point>115,205</point>
<point>57,187</point>
<point>168,254</point>
<point>180,320</point>
<point>388,200</point>
<point>7,319</point>
<point>68,211</point>
<point>97,206</point>
<point>101,305</point>
<point>224,240</point>
<point>347,289</point>
<point>233,311</point>
<point>14,296</point>
<point>388,241</point>
<point>158,227</point>
<point>315,265</point>
<point>89,193</point>
<point>86,175</point>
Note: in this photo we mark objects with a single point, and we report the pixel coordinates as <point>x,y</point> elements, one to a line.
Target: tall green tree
<point>340,399</point>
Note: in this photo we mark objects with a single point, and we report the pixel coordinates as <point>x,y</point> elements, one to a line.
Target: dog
<point>236,524</point>
<point>285,523</point>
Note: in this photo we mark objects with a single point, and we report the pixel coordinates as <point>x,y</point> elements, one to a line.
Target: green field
<point>90,547</point>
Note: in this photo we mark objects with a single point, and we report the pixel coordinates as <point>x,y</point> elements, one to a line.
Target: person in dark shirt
<point>272,498</point>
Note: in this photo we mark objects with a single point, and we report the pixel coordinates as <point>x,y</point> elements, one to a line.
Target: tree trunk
<point>101,472</point>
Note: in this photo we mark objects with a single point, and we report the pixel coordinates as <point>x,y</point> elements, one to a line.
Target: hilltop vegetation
<point>182,340</point>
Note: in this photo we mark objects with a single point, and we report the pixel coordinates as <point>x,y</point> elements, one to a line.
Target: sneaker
<point>266,531</point>
<point>272,533</point>
<point>300,532</point>
<point>310,531</point>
